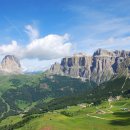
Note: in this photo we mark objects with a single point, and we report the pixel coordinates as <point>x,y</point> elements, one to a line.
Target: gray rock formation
<point>100,67</point>
<point>10,65</point>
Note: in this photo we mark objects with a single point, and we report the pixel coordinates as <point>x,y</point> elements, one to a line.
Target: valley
<point>42,101</point>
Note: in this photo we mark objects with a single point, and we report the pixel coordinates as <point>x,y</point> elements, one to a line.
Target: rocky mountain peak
<point>10,64</point>
<point>99,67</point>
<point>122,53</point>
<point>103,52</point>
<point>80,54</point>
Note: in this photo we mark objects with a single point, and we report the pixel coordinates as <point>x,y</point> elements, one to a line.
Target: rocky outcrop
<point>100,67</point>
<point>10,65</point>
<point>56,68</point>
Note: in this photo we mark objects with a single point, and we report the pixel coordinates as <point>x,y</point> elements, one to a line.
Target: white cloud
<point>32,32</point>
<point>49,47</point>
<point>34,65</point>
<point>12,48</point>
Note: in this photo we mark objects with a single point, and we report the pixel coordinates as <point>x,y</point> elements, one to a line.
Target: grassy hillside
<point>22,92</point>
<point>4,84</point>
<point>39,102</point>
<point>15,81</point>
<point>102,117</point>
<point>10,83</point>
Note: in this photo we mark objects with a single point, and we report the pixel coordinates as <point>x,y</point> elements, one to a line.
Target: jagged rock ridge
<point>100,67</point>
<point>10,65</point>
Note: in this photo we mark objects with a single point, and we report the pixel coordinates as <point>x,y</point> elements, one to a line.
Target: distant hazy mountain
<point>100,67</point>
<point>10,65</point>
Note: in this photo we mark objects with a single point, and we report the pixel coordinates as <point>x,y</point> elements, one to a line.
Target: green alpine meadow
<point>64,65</point>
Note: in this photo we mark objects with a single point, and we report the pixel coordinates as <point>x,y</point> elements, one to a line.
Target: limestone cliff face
<point>56,68</point>
<point>10,65</point>
<point>100,67</point>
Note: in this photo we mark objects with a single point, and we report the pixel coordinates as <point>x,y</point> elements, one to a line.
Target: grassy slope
<point>4,84</point>
<point>6,81</point>
<point>30,89</point>
<point>11,120</point>
<point>80,120</point>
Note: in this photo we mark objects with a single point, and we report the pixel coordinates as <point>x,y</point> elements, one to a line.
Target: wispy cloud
<point>117,27</point>
<point>32,32</point>
<point>112,43</point>
<point>35,65</point>
<point>95,26</point>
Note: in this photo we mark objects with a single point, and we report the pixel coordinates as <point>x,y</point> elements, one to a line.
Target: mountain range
<point>99,67</point>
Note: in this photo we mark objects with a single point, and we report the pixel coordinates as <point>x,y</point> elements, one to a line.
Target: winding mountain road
<point>7,105</point>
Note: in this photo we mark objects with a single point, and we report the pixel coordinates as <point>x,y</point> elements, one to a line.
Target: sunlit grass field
<point>102,117</point>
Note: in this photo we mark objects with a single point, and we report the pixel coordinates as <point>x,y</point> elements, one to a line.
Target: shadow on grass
<point>124,119</point>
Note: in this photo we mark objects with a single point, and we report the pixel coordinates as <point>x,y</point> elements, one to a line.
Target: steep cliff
<point>10,65</point>
<point>100,67</point>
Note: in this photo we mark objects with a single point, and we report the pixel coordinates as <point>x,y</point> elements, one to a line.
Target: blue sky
<point>43,30</point>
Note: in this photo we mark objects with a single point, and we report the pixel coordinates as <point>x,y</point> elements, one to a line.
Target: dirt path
<point>125,79</point>
<point>97,117</point>
<point>8,107</point>
<point>124,105</point>
<point>109,111</point>
<point>124,83</point>
<point>47,128</point>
